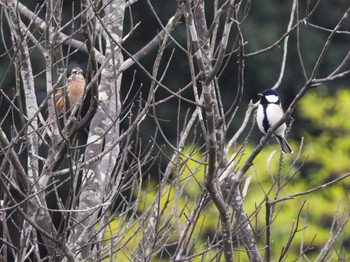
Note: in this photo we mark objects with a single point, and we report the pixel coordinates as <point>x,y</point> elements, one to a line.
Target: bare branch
<point>333,238</point>
<point>285,45</point>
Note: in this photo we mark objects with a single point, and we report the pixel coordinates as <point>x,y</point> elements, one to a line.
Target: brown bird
<point>75,90</point>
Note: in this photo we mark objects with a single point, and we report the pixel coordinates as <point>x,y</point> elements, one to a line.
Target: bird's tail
<point>284,145</point>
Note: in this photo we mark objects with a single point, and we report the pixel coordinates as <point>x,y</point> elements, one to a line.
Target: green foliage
<point>328,135</point>
<point>324,157</point>
<point>177,201</point>
<point>124,237</point>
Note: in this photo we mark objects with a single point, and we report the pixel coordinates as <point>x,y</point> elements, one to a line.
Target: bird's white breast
<point>274,114</point>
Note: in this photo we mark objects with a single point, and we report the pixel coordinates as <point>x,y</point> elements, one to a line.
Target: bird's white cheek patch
<point>271,98</point>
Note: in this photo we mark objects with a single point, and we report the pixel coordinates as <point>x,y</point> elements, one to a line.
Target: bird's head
<point>269,96</point>
<point>77,71</point>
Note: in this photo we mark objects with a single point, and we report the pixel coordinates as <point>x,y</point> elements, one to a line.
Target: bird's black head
<point>269,96</point>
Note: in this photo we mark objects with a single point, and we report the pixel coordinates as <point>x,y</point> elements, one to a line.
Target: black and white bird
<point>269,113</point>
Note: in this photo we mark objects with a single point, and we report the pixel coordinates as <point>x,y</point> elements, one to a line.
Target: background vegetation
<point>164,160</point>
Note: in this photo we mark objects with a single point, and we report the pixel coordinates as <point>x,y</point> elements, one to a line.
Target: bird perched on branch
<point>75,90</point>
<point>269,113</point>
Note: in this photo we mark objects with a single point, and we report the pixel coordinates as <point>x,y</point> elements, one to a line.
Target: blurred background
<point>320,123</point>
<point>266,23</point>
